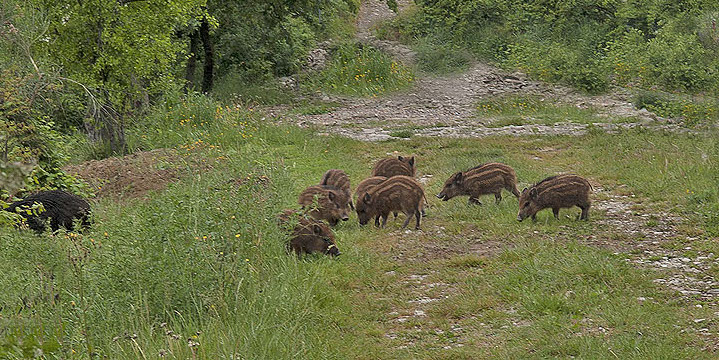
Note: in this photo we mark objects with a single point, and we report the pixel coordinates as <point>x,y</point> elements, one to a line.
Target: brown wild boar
<point>398,193</point>
<point>561,191</point>
<point>366,184</point>
<point>390,167</point>
<point>325,203</point>
<point>309,235</point>
<point>489,178</point>
<point>340,180</point>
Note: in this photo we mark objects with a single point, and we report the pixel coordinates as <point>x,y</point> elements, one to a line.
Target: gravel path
<point>445,105</point>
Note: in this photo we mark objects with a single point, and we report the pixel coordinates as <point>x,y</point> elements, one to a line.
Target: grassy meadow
<point>200,270</point>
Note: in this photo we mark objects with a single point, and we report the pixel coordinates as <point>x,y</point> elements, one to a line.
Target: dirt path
<point>445,106</point>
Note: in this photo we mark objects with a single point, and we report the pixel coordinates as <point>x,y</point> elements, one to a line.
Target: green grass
<point>361,70</point>
<point>404,134</point>
<point>532,109</point>
<point>204,260</point>
<point>236,89</point>
<point>694,111</point>
<point>437,56</point>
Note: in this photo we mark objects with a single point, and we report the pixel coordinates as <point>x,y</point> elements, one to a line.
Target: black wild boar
<point>61,209</point>
<point>340,180</point>
<point>325,203</point>
<point>489,178</point>
<point>309,235</point>
<point>390,167</point>
<point>561,191</point>
<point>397,193</point>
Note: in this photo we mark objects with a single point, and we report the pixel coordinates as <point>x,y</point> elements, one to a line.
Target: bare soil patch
<point>131,176</point>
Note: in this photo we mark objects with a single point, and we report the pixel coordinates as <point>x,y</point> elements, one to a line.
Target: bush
<point>694,111</point>
<point>590,45</point>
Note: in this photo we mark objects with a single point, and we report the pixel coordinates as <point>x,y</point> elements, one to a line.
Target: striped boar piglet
<point>397,193</point>
<point>340,180</point>
<point>555,192</point>
<point>308,235</point>
<point>489,178</point>
<point>395,166</point>
<point>325,203</point>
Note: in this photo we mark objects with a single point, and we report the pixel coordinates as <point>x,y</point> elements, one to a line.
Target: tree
<point>120,52</point>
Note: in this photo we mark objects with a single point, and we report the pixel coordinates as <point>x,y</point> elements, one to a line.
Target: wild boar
<point>340,180</point>
<point>489,178</point>
<point>60,208</point>
<point>397,193</point>
<point>325,203</point>
<point>561,191</point>
<point>308,235</point>
<point>391,167</point>
<point>367,184</point>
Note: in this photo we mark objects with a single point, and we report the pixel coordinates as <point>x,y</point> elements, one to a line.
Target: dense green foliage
<point>589,44</point>
<point>97,67</point>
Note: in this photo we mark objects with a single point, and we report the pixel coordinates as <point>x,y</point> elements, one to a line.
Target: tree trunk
<point>105,128</point>
<point>207,74</point>
<point>192,60</point>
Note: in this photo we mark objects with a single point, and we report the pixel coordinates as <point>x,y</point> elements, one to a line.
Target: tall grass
<point>362,71</point>
<point>200,270</point>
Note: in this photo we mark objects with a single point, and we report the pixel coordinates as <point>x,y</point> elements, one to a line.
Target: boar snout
<point>333,250</point>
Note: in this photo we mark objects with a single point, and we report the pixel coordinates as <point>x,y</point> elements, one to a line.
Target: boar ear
<point>524,190</point>
<point>366,198</point>
<point>458,178</point>
<point>533,193</point>
<point>400,158</point>
<point>331,195</point>
<point>411,161</point>
<point>316,229</point>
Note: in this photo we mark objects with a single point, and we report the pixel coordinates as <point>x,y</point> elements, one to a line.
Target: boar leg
<point>417,216</point>
<point>406,221</point>
<point>534,217</point>
<point>474,201</point>
<point>498,196</point>
<point>514,191</point>
<point>585,213</point>
<point>376,221</point>
<point>395,215</point>
<point>384,219</point>
<point>556,213</point>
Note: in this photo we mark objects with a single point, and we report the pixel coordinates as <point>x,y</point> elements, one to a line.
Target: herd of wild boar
<point>391,188</point>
